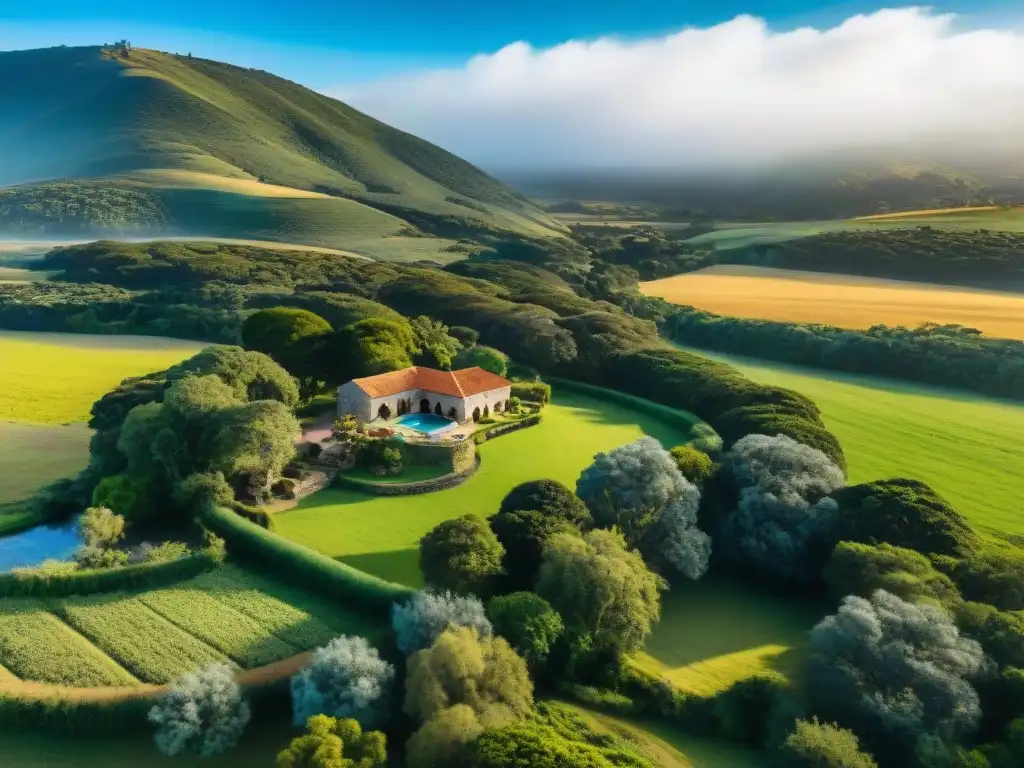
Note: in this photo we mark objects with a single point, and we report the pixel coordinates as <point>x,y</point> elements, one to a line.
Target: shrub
<point>467,336</point>
<point>523,534</point>
<point>488,358</point>
<point>461,555</point>
<point>487,420</point>
<point>346,678</point>
<point>199,489</point>
<point>421,620</point>
<point>904,513</point>
<point>894,672</point>
<point>605,593</point>
<point>528,622</point>
<point>695,465</point>
<point>124,495</point>
<point>444,739</point>
<point>784,518</point>
<point>333,743</point>
<point>823,745</point>
<point>100,528</point>
<point>860,569</point>
<point>532,391</point>
<point>992,575</point>
<point>203,712</point>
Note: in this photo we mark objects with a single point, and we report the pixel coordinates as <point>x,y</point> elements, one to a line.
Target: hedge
<point>503,429</point>
<point>75,717</point>
<point>307,568</point>
<point>17,517</point>
<point>451,480</point>
<point>144,575</point>
<point>261,517</point>
<point>533,391</point>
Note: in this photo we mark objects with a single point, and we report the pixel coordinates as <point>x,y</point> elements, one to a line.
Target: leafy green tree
<point>606,595</point>
<point>523,535</point>
<point>488,358</point>
<point>128,496</point>
<point>378,346</point>
<point>550,497</point>
<point>461,555</point>
<point>528,622</point>
<point>695,465</point>
<point>255,441</point>
<point>202,712</point>
<point>250,375</point>
<point>100,530</point>
<point>334,743</point>
<point>860,569</point>
<point>904,513</point>
<point>823,745</point>
<point>465,335</point>
<point>444,739</point>
<point>421,620</point>
<point>436,345</point>
<point>280,333</point>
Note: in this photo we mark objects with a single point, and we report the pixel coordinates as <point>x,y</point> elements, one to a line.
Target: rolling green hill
<point>96,141</point>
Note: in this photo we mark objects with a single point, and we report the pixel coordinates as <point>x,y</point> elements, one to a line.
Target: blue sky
<point>325,43</point>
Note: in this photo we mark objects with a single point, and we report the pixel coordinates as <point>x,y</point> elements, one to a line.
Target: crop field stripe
<point>137,637</point>
<point>299,619</point>
<point>238,636</point>
<point>36,645</point>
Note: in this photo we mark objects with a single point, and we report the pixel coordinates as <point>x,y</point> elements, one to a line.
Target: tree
<point>488,358</point>
<point>461,555</point>
<point>639,489</point>
<point>421,620</point>
<point>538,745</point>
<point>695,465</point>
<point>444,739</point>
<point>124,494</point>
<point>250,375</point>
<point>894,672</point>
<point>550,497</point>
<point>255,441</point>
<point>432,337</point>
<point>823,745</point>
<point>461,667</point>
<point>281,332</point>
<point>378,346</point>
<point>334,743</point>
<point>203,712</point>
<point>467,336</point>
<point>904,513</point>
<point>100,528</point>
<point>784,517</point>
<point>606,595</point>
<point>345,678</point>
<point>523,534</point>
<point>528,622</point>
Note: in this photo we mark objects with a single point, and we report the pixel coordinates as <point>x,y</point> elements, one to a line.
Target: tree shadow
<point>401,566</point>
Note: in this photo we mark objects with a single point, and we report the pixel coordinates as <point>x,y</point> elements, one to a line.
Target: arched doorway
<point>384,412</point>
<point>497,407</point>
<point>424,405</point>
<point>508,404</point>
<point>437,409</point>
<point>476,414</point>
<point>453,414</point>
<point>487,411</point>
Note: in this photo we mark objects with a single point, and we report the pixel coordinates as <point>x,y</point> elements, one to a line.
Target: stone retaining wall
<point>406,489</point>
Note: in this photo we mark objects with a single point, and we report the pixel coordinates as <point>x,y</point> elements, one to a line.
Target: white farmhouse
<point>469,393</point>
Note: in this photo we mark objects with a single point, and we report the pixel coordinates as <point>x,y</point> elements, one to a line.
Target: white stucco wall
<point>353,400</point>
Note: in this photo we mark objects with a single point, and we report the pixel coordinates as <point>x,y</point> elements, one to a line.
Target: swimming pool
<point>427,423</point>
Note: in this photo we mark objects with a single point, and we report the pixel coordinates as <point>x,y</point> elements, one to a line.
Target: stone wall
<point>406,489</point>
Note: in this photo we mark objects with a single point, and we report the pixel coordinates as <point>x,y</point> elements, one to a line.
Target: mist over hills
<point>96,140</point>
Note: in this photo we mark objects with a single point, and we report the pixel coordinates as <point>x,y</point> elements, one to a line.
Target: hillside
<point>95,141</point>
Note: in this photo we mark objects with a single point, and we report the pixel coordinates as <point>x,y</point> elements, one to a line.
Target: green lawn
<point>713,633</point>
<point>380,534</point>
<point>967,447</point>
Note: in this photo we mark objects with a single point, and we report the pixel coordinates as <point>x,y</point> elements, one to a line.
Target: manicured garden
<point>379,535</point>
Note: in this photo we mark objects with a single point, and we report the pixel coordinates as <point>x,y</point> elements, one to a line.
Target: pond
<point>44,542</point>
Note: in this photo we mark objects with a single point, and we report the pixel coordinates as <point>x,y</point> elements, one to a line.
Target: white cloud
<point>736,93</point>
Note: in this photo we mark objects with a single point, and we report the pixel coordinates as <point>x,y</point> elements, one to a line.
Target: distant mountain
<point>837,188</point>
<point>96,140</point>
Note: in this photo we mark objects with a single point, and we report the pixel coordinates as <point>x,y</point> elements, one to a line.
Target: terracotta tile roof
<point>462,383</point>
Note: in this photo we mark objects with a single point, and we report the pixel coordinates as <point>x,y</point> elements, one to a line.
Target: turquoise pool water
<point>427,423</point>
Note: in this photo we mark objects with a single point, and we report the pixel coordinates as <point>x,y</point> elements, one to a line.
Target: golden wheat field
<point>844,300</point>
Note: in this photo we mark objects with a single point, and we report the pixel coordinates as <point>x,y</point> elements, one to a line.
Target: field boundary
<point>442,483</point>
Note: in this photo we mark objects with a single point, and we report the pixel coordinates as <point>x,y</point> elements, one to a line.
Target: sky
<point>643,82</point>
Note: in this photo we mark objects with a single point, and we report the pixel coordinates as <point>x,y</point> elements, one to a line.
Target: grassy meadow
<point>715,632</point>
<point>380,534</point>
<point>846,301</point>
<point>967,447</point>
<point>33,455</point>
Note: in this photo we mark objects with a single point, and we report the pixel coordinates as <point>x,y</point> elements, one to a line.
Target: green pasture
<point>968,447</point>
<point>716,632</point>
<point>54,378</point>
<point>34,455</point>
<point>379,534</point>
